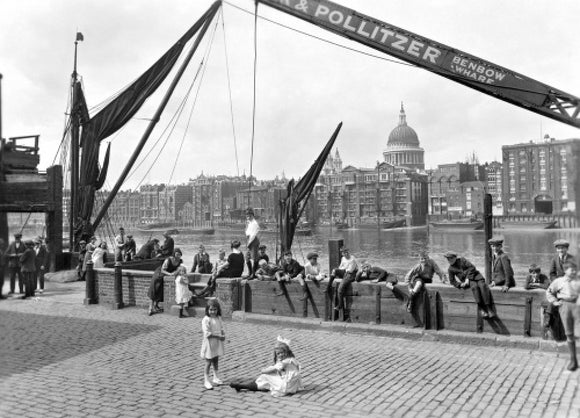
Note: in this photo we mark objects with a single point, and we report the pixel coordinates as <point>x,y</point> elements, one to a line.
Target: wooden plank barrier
<point>519,312</point>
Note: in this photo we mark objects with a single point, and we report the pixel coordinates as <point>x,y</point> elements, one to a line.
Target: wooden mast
<point>206,20</point>
<point>74,150</point>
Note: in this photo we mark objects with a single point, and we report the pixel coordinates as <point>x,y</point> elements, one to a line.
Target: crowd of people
<point>26,262</point>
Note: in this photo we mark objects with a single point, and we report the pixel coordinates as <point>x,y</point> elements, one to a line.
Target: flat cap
<point>311,255</point>
<point>18,235</point>
<point>495,240</point>
<point>561,243</point>
<point>450,254</point>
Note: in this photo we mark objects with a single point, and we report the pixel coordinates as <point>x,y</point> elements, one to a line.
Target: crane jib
<point>446,61</point>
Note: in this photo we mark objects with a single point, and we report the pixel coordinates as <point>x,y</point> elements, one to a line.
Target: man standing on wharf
<point>252,231</point>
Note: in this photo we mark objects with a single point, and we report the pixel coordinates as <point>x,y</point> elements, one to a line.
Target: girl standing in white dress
<point>182,293</point>
<point>213,341</point>
<point>281,379</point>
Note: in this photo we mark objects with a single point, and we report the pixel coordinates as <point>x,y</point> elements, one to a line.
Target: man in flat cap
<point>15,249</point>
<point>502,273</point>
<point>463,274</point>
<point>28,268</point>
<point>552,321</point>
<point>130,248</point>
<point>562,255</point>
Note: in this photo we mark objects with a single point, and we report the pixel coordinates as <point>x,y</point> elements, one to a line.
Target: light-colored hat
<point>495,240</point>
<point>561,243</point>
<point>450,254</point>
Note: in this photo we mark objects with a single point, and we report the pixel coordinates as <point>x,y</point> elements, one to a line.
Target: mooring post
<point>90,294</point>
<point>118,286</point>
<point>488,232</point>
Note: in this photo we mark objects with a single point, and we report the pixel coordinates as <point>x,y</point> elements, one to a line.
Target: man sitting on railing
<point>462,275</point>
<point>416,279</point>
<point>290,269</point>
<point>347,272</point>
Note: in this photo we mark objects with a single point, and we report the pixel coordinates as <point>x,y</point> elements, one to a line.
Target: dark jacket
<point>292,269</point>
<point>463,270</point>
<point>147,251</point>
<point>167,247</point>
<point>542,283</point>
<point>41,257</point>
<point>202,261</point>
<point>557,266</point>
<point>13,253</point>
<point>374,273</point>
<point>28,261</point>
<point>502,273</point>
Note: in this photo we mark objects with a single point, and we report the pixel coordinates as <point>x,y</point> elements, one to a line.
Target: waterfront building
<point>494,174</point>
<point>456,190</point>
<point>149,207</point>
<point>395,188</point>
<point>539,177</point>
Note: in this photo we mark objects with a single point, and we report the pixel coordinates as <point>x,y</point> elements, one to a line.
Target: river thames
<point>396,249</point>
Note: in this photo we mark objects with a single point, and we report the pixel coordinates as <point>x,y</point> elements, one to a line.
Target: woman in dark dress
<point>168,268</point>
<point>233,267</point>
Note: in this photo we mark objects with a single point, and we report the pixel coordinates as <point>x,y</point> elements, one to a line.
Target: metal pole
<point>118,286</point>
<point>90,294</point>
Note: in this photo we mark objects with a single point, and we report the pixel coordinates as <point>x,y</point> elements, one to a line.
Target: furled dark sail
<point>114,116</point>
<point>298,193</point>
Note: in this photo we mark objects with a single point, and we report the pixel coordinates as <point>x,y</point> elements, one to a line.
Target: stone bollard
<point>118,287</point>
<point>90,293</point>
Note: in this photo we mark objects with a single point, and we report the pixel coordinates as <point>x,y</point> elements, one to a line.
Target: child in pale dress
<point>281,379</point>
<point>182,293</point>
<point>213,341</point>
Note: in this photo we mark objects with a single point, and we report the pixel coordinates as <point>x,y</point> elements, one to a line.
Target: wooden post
<point>334,256</point>
<point>488,232</point>
<point>53,217</point>
<point>90,294</point>
<point>118,286</point>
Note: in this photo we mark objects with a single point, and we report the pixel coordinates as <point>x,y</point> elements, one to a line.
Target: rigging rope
<point>254,101</point>
<point>230,92</point>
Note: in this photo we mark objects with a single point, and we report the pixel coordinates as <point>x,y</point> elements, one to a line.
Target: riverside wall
<point>519,311</point>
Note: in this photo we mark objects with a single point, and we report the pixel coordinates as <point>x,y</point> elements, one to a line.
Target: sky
<point>303,86</point>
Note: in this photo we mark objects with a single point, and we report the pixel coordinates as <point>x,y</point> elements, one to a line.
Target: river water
<point>397,249</point>
<point>393,249</point>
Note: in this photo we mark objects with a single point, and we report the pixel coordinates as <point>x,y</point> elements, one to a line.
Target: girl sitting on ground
<point>281,379</point>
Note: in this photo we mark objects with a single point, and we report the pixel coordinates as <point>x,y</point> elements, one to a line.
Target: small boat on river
<point>527,224</point>
<point>458,225</point>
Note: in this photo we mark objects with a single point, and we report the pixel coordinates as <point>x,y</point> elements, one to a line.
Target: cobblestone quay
<point>60,358</point>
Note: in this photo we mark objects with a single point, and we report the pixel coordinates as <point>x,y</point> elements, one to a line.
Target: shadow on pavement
<point>30,342</point>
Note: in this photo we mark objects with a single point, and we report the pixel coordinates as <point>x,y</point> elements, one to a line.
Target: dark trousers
<point>481,293</point>
<point>15,271</point>
<point>29,283</point>
<point>347,279</point>
<point>2,269</point>
<point>253,250</point>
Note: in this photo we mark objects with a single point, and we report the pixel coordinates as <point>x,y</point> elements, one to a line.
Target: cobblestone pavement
<point>59,358</point>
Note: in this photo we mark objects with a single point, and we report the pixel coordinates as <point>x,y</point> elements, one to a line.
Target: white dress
<point>182,293</point>
<point>211,347</point>
<point>98,257</point>
<point>285,381</point>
